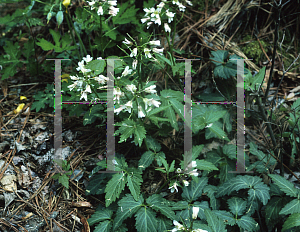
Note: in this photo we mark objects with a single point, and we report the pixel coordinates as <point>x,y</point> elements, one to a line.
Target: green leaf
<point>56,37</point>
<point>237,206</point>
<point>139,134</point>
<point>284,185</point>
<point>218,132</point>
<point>292,221</point>
<point>114,188</point>
<point>273,208</point>
<point>146,159</point>
<point>225,215</point>
<point>162,59</point>
<point>127,207</point>
<point>134,180</point>
<point>258,79</point>
<point>97,66</point>
<point>194,190</point>
<point>219,56</point>
<point>158,203</point>
<point>125,15</point>
<point>205,165</point>
<point>104,226</point>
<point>146,220</point>
<point>291,207</point>
<point>157,110</point>
<point>152,144</point>
<point>248,223</point>
<point>214,222</point>
<point>100,215</point>
<point>45,45</point>
<point>64,180</point>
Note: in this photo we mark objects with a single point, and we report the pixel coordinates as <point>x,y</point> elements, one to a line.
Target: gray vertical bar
<point>240,164</point>
<point>57,115</point>
<point>110,155</point>
<point>187,115</point>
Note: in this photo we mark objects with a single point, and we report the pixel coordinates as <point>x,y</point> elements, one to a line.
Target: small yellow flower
<point>66,3</point>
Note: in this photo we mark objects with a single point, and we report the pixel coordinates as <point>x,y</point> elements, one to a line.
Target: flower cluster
<point>154,15</point>
<point>194,172</point>
<point>179,227</point>
<point>100,6</point>
<point>84,84</point>
<point>147,51</point>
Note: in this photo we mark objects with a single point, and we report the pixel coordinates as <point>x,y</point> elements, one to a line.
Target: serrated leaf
<point>114,188</point>
<point>146,220</point>
<point>125,15</point>
<point>205,165</point>
<point>273,208</point>
<point>152,144</point>
<point>226,216</point>
<point>248,223</point>
<point>64,180</point>
<point>284,185</point>
<point>163,224</point>
<point>100,215</point>
<point>211,190</point>
<point>291,207</point>
<point>215,129</point>
<point>139,134</point>
<point>157,110</point>
<point>214,222</point>
<point>146,159</point>
<point>56,37</point>
<point>127,207</point>
<point>104,226</point>
<point>134,180</point>
<point>292,221</point>
<point>219,56</point>
<point>237,205</point>
<point>158,203</point>
<point>178,107</point>
<point>45,45</point>
<point>194,190</point>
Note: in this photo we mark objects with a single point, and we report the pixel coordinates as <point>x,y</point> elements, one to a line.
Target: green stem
<point>78,36</point>
<point>74,41</point>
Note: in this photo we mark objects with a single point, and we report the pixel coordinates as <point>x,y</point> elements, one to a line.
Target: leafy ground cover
<point>156,186</point>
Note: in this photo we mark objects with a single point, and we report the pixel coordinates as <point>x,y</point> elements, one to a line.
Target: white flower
<point>176,2</point>
<point>167,28</point>
<point>188,2</point>
<point>127,71</point>
<point>100,10</point>
<point>150,102</point>
<point>88,89</point>
<point>118,94</point>
<point>117,111</point>
<point>181,7</point>
<point>83,95</point>
<point>158,50</point>
<point>99,58</point>
<point>128,106</point>
<point>88,58</point>
<point>112,3</point>
<point>71,87</point>
<point>134,64</point>
<point>178,170</point>
<point>149,24</point>
<point>155,42</point>
<point>140,112</point>
<point>145,19</point>
<point>195,212</point>
<point>147,52</point>
<point>170,16</point>
<point>91,3</point>
<point>194,173</point>
<point>149,11</point>
<point>157,20</point>
<point>209,125</point>
<point>101,79</point>
<point>134,52</point>
<point>185,182</point>
<point>82,68</point>
<point>113,11</point>
<point>173,187</point>
<point>178,226</point>
<point>131,88</point>
<point>155,13</point>
<point>127,42</point>
<point>150,89</point>
<point>161,5</point>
